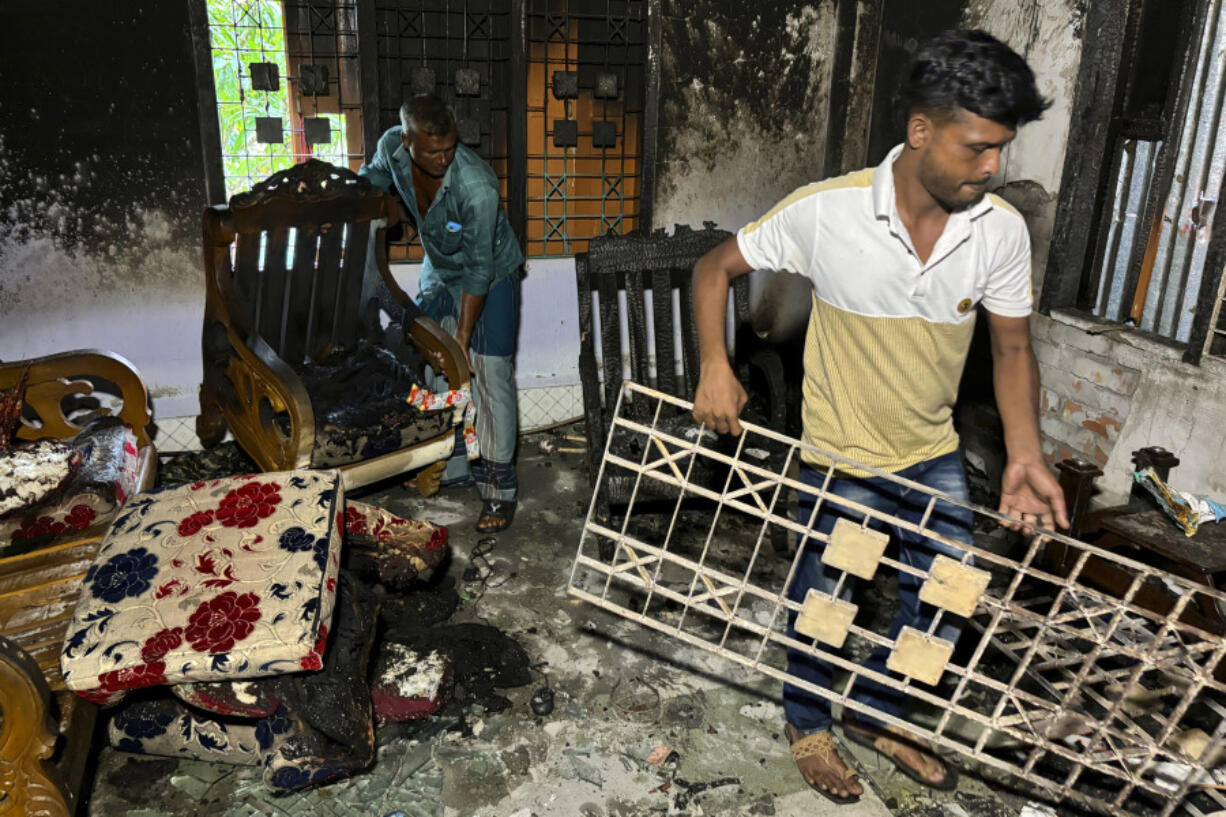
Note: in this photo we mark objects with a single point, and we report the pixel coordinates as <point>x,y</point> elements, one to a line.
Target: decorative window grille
<point>1104,692</point>
<point>585,84</point>
<point>286,80</point>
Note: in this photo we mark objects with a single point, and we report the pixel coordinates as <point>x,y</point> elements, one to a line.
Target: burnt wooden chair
<point>637,264</point>
<point>296,278</point>
<point>46,732</point>
<point>1141,530</point>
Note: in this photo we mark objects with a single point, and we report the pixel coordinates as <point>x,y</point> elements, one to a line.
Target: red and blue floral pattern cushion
<point>227,579</point>
<point>280,743</point>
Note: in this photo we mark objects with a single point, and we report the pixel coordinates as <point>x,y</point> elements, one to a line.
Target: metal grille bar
<point>585,103</point>
<point>286,78</point>
<point>1090,696</point>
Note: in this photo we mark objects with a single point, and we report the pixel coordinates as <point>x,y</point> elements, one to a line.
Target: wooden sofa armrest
<point>440,349</point>
<point>55,377</point>
<point>256,386</point>
<point>32,784</point>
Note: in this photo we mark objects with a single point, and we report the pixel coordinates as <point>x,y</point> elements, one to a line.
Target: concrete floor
<point>586,759</point>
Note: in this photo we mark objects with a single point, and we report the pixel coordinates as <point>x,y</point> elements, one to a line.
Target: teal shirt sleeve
<point>377,172</point>
<point>480,213</point>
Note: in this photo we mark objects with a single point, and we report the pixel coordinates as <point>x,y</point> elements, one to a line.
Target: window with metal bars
<point>585,64</point>
<point>461,51</point>
<point>285,76</point>
<point>550,92</point>
<point>1151,266</point>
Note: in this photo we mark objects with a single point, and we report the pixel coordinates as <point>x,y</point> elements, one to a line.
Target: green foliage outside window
<point>242,32</point>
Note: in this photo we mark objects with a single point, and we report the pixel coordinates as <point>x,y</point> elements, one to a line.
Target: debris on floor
<point>634,730</point>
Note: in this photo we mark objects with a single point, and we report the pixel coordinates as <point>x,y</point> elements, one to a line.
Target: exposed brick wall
<point>1086,393</point>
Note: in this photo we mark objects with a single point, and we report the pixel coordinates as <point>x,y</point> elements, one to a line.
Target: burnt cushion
<point>360,400</point>
<point>107,475</point>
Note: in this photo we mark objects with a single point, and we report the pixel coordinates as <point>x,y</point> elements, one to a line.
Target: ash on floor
<point>640,725</point>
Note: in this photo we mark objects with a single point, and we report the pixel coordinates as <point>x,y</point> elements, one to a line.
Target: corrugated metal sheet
<point>1187,216</point>
<point>1136,173</point>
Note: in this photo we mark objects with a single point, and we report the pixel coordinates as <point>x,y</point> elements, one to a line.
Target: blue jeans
<point>808,712</point>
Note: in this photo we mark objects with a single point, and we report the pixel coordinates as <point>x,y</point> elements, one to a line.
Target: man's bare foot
<point>910,753</point>
<point>818,760</point>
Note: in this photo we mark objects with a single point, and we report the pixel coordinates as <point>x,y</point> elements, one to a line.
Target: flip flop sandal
<point>820,745</point>
<point>868,736</point>
<point>501,509</point>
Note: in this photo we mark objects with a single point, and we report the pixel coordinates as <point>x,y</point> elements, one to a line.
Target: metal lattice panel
<point>585,102</point>
<point>286,81</point>
<point>1092,697</point>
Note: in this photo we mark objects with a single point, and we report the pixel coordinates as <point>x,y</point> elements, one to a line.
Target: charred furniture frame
<point>38,592</point>
<point>630,267</point>
<point>294,269</point>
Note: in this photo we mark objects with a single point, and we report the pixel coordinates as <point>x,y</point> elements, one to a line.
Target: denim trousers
<point>810,713</point>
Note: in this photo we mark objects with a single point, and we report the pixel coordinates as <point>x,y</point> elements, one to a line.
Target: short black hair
<point>428,114</point>
<point>973,70</point>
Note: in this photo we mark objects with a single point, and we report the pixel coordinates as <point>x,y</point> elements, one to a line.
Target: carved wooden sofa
<point>300,301</point>
<point>46,732</point>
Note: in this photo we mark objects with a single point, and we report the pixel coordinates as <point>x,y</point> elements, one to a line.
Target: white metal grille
<point>1088,695</point>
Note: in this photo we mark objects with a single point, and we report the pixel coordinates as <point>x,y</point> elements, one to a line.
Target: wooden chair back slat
<point>272,299</point>
<point>320,217</point>
<point>349,308</point>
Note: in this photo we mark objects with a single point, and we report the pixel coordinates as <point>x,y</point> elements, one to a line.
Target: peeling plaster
<point>1183,409</point>
<point>1048,33</point>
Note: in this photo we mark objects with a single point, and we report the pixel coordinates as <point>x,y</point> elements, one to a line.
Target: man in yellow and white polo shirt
<point>899,256</point>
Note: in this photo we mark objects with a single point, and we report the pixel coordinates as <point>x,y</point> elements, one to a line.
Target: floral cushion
<point>163,726</point>
<point>109,475</point>
<point>281,743</point>
<point>384,548</point>
<point>227,579</point>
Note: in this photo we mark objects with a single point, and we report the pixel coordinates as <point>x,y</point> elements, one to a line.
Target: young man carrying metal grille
<point>899,256</point>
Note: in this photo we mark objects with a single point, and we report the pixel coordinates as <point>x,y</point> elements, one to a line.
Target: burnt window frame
<point>516,197</point>
<point>1103,116</point>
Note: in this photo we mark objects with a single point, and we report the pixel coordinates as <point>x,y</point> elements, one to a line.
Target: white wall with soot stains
<point>744,95</point>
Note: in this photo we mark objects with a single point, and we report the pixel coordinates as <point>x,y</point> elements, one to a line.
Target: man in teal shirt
<point>469,280</point>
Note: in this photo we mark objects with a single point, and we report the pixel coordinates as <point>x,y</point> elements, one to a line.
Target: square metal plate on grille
<point>604,134</point>
<point>1092,695</point>
<point>606,85</point>
<point>565,133</point>
<point>264,76</point>
<point>421,80</point>
<point>313,80</point>
<point>317,130</point>
<point>269,130</point>
<point>467,82</point>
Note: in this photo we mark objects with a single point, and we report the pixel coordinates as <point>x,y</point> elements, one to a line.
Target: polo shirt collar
<point>884,205</point>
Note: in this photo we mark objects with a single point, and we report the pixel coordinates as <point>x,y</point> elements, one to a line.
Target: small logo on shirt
<point>453,227</point>
<point>964,306</point>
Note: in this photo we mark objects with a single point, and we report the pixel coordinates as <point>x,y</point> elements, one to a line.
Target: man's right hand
<point>719,399</point>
